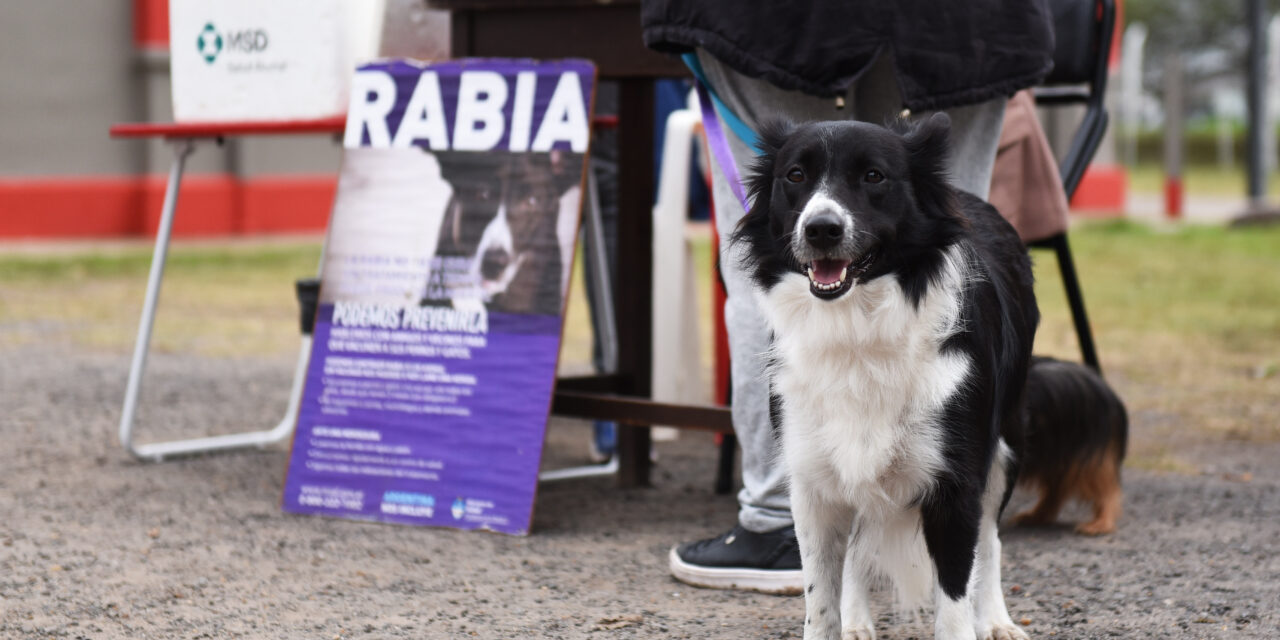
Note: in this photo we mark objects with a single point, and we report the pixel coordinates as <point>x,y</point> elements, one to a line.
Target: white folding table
<point>184,137</point>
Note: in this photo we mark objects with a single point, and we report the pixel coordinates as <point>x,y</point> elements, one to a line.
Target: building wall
<point>69,69</point>
<point>67,72</point>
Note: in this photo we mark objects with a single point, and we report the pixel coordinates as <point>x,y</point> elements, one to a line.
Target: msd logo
<point>210,43</point>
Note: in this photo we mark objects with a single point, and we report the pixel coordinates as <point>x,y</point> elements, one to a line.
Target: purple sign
<point>472,105</point>
<point>444,278</point>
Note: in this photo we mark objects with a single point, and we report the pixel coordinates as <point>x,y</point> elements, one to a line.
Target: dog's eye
<point>795,175</point>
<point>873,176</point>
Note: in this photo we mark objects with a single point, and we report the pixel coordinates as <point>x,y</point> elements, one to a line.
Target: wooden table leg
<point>634,309</point>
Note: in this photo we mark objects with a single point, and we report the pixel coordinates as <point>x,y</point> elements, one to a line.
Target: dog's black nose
<point>824,230</point>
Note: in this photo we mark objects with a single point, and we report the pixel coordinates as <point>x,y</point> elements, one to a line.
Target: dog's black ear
<point>772,135</point>
<point>754,228</point>
<point>928,145</point>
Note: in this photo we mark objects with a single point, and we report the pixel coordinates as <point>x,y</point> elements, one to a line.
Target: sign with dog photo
<point>442,293</point>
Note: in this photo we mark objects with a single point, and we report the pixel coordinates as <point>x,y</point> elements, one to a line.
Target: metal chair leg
<point>1071,285</point>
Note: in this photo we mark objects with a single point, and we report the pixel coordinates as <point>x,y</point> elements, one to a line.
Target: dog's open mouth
<point>831,277</point>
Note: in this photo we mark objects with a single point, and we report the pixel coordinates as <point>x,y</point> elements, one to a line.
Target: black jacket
<point>947,52</point>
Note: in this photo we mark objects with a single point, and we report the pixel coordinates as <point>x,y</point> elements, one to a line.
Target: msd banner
<point>234,60</point>
<point>442,294</point>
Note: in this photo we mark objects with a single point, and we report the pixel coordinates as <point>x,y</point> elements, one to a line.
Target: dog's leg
<point>1101,486</point>
<point>951,519</point>
<point>1105,513</point>
<point>855,606</point>
<point>822,529</point>
<point>991,616</point>
<point>1052,495</point>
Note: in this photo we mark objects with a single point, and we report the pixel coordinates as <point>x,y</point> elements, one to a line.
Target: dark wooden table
<point>609,35</point>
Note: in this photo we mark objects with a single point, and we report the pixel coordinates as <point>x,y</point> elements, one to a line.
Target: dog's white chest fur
<point>862,381</point>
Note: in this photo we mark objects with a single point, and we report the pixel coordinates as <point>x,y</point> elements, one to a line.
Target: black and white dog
<point>903,315</point>
<point>500,227</point>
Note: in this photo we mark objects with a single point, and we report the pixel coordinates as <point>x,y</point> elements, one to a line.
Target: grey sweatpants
<point>764,504</point>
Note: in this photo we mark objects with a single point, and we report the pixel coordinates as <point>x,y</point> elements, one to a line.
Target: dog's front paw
<point>1001,631</point>
<point>858,633</point>
<point>1097,527</point>
<point>1031,518</point>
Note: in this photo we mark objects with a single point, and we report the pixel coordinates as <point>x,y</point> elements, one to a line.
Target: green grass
<point>185,261</point>
<point>1198,181</point>
<point>1187,323</point>
<point>1193,281</point>
<point>1187,319</point>
<point>220,301</point>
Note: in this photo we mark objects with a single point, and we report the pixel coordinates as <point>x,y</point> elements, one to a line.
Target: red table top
<point>218,129</point>
<point>214,129</point>
<point>336,124</point>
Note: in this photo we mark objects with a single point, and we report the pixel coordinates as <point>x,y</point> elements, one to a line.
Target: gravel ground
<point>96,545</point>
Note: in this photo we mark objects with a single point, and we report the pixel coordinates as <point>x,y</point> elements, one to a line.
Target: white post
<point>1272,96</point>
<point>1174,121</point>
<point>1256,92</point>
<point>1135,39</point>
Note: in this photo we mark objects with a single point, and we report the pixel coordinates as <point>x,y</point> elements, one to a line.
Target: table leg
<point>158,451</point>
<point>600,292</point>
<point>181,150</point>
<point>635,266</point>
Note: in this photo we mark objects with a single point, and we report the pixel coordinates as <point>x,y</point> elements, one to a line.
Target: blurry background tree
<point>1211,34</point>
<point>1213,38</point>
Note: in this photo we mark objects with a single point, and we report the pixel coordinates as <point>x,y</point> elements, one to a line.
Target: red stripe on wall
<point>208,205</point>
<point>286,203</point>
<point>77,208</point>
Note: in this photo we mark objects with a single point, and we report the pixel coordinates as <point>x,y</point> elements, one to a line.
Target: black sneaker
<point>741,559</point>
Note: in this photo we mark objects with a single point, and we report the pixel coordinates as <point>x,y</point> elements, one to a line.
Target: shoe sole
<point>786,582</point>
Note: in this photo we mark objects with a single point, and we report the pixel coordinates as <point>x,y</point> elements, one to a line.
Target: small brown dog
<point>1076,438</point>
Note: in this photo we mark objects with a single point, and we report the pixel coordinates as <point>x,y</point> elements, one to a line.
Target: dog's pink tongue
<point>828,271</point>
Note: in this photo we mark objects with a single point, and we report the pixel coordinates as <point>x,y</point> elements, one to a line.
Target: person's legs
<point>760,553</point>
<point>975,136</point>
<point>975,129</point>
<point>763,500</point>
<point>764,505</point>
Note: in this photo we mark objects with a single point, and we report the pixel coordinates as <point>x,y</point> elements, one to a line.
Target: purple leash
<point>719,144</point>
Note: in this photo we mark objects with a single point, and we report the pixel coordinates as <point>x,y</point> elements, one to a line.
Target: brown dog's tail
<point>1075,443</point>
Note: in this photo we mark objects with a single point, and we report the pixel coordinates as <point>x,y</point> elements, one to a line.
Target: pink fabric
<point>1025,185</point>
